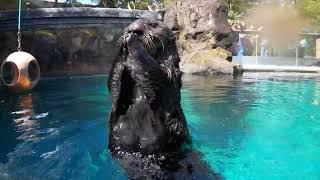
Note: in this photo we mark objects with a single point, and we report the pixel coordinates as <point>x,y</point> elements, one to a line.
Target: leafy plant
<point>310,9</point>
<point>232,15</point>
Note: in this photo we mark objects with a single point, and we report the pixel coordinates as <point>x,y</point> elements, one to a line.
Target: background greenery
<point>308,9</point>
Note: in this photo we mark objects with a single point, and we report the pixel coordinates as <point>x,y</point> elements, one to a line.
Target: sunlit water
<point>260,126</point>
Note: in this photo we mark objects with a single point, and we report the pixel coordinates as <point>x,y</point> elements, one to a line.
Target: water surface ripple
<point>259,126</point>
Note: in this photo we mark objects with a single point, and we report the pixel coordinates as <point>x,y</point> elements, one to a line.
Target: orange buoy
<point>20,72</point>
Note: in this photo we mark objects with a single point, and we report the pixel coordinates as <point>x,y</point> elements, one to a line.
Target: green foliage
<point>166,2</point>
<point>107,3</point>
<point>310,9</point>
<point>143,4</point>
<point>233,15</point>
<point>237,6</point>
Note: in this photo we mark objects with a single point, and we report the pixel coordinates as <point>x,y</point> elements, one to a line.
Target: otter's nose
<point>137,27</point>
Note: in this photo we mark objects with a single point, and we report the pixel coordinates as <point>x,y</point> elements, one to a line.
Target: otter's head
<point>155,35</point>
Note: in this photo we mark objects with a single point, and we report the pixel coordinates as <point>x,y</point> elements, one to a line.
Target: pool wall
<point>69,41</point>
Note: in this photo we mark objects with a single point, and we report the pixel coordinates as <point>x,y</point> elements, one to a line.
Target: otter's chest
<point>142,84</point>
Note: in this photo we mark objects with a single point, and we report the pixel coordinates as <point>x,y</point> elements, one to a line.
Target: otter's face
<point>154,35</point>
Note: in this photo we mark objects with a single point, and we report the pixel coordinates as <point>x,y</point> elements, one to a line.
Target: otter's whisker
<point>150,37</point>
<point>120,41</point>
<point>153,46</point>
<point>153,36</point>
<point>160,41</point>
<point>169,73</point>
<point>146,42</point>
<point>161,33</point>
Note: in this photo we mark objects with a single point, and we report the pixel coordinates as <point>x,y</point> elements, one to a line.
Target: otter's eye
<point>138,32</point>
<point>154,25</point>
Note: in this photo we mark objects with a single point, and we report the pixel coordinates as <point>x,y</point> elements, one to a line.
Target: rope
<point>19,41</point>
<point>19,28</point>
<point>19,20</point>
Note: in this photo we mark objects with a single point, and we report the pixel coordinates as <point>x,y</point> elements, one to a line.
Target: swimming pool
<point>259,126</point>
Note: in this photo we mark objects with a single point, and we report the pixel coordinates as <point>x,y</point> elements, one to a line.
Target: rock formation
<point>81,51</point>
<point>202,26</point>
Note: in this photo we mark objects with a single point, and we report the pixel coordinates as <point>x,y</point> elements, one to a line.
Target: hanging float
<point>20,70</point>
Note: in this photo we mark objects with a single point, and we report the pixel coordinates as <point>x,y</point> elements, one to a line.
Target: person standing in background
<point>241,49</point>
<point>301,47</point>
<point>264,47</point>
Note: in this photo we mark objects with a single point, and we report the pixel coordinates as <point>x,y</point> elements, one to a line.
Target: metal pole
<point>297,53</point>
<point>257,36</point>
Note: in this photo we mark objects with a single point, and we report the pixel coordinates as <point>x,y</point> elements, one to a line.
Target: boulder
<point>203,22</point>
<point>207,62</point>
<point>202,26</point>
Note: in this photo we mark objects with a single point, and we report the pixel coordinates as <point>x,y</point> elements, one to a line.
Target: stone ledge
<point>49,17</point>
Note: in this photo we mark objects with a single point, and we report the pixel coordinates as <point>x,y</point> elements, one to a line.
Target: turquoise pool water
<point>260,126</point>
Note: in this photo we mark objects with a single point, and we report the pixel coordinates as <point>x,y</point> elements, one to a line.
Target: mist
<point>281,25</point>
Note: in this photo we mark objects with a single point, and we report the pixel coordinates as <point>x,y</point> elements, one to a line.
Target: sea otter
<point>145,83</point>
<point>147,126</point>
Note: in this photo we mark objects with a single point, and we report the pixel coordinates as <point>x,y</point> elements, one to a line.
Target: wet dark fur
<point>147,126</point>
<point>148,68</point>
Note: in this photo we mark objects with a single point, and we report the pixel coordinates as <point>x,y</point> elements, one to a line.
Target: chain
<point>19,41</point>
<point>19,27</point>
